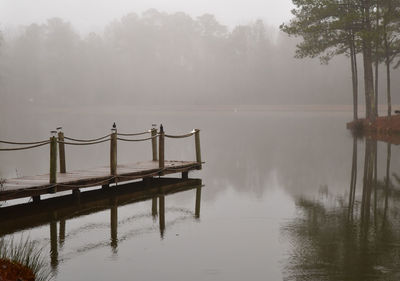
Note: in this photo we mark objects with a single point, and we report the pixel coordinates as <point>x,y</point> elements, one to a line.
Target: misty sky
<point>92,15</point>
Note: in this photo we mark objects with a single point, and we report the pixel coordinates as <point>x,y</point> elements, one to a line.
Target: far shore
<point>383,125</point>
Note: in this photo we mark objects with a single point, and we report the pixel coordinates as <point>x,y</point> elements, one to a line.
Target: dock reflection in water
<point>57,211</point>
<point>354,236</point>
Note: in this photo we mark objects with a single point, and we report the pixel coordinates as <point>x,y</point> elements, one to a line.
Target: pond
<point>284,195</point>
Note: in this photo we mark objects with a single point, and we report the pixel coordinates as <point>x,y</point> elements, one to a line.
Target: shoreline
<point>382,125</point>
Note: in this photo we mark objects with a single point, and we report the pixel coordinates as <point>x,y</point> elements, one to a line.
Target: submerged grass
<point>26,253</point>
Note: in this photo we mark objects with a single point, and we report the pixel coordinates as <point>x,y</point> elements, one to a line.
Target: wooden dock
<point>52,182</point>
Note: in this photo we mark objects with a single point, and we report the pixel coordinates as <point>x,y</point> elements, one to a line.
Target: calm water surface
<point>286,196</point>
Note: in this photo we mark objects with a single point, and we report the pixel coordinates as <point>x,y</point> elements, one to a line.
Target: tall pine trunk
<point>367,59</point>
<point>387,62</point>
<point>387,56</point>
<point>354,78</point>
<point>387,185</point>
<point>376,58</point>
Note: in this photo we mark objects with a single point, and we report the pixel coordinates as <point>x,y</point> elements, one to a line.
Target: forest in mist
<point>165,59</point>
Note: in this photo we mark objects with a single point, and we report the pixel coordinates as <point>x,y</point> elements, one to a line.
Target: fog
<point>93,15</point>
<point>159,58</point>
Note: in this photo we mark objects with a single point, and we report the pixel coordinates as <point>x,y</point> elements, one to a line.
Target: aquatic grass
<point>26,253</point>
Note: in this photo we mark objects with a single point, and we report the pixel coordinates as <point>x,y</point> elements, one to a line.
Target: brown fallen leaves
<point>12,271</point>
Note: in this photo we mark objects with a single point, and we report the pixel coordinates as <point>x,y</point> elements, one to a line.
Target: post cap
<point>53,133</point>
<point>59,129</point>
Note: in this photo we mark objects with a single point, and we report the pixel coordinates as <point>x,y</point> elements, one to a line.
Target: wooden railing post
<point>161,163</point>
<point>113,151</point>
<point>53,157</point>
<point>154,143</point>
<point>61,150</point>
<point>197,143</point>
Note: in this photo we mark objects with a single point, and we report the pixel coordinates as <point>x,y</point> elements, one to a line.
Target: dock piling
<point>154,207</point>
<point>53,243</point>
<point>161,202</point>
<point>154,142</point>
<point>76,193</point>
<point>61,150</point>
<point>114,224</point>
<point>161,162</point>
<point>197,205</point>
<point>61,235</point>
<point>113,151</point>
<point>53,158</point>
<point>197,143</point>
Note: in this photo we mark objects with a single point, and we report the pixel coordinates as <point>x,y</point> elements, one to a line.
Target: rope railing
<point>25,148</point>
<point>87,140</point>
<point>84,143</point>
<point>155,137</point>
<point>181,136</point>
<point>137,140</point>
<point>24,143</point>
<point>133,134</point>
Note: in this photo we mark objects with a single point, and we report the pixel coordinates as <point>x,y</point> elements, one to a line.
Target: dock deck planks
<point>36,185</point>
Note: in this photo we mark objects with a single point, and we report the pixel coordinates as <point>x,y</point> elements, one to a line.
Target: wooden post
<point>53,243</point>
<point>113,151</point>
<point>53,158</point>
<point>76,193</point>
<point>61,150</point>
<point>161,161</point>
<point>197,206</point>
<point>197,143</point>
<point>61,237</point>
<point>154,143</point>
<point>154,207</point>
<point>114,224</point>
<point>161,201</point>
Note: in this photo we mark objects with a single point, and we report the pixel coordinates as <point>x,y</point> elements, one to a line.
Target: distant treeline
<point>160,58</point>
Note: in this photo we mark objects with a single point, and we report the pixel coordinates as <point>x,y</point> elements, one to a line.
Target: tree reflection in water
<point>354,238</point>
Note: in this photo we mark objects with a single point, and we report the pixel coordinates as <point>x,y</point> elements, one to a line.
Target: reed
<point>26,253</point>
